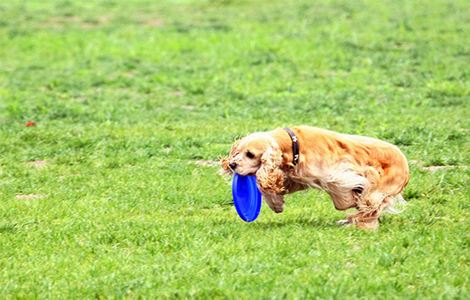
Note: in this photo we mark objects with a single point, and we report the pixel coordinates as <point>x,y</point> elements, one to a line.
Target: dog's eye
<point>250,155</point>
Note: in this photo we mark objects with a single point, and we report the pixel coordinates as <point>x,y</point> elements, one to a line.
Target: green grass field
<point>115,193</point>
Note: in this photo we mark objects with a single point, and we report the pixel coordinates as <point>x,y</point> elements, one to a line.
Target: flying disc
<point>246,197</point>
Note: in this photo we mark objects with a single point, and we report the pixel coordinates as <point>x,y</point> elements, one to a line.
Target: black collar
<point>295,145</point>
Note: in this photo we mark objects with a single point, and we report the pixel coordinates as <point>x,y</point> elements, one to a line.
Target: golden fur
<point>356,171</point>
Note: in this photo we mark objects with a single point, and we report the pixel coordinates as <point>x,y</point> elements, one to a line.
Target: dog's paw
<point>374,225</point>
<point>344,222</point>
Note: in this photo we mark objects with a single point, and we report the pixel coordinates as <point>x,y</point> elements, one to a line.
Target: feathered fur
<point>357,172</point>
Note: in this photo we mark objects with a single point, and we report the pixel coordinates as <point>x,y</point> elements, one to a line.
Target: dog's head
<point>257,154</point>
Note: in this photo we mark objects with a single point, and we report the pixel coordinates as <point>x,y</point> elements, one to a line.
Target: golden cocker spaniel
<point>356,171</point>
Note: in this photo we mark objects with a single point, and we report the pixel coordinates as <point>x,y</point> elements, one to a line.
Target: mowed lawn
<point>116,193</point>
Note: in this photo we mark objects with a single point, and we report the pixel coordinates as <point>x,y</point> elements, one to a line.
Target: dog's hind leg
<point>369,207</point>
<point>344,183</point>
<point>368,201</point>
<point>383,194</point>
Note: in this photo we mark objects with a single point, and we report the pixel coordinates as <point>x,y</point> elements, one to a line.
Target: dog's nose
<point>233,166</point>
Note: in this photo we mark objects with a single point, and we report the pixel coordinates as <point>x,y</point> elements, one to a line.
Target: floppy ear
<point>269,176</point>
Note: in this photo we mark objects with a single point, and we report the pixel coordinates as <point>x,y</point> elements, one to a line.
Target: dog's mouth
<point>238,170</point>
<point>248,174</point>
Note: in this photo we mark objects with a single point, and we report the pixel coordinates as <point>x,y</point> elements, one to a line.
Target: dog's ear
<point>270,176</point>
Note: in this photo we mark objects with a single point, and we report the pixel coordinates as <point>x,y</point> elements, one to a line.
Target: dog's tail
<point>397,205</point>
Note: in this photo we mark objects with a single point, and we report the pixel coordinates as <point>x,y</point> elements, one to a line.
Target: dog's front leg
<point>275,202</point>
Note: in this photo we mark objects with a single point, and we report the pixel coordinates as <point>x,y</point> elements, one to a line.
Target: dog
<point>356,171</point>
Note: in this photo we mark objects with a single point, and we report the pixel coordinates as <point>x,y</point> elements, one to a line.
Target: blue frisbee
<point>246,197</point>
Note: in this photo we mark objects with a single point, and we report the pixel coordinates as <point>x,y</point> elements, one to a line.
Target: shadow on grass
<point>298,222</point>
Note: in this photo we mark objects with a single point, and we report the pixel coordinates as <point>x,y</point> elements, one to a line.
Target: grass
<point>115,194</point>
